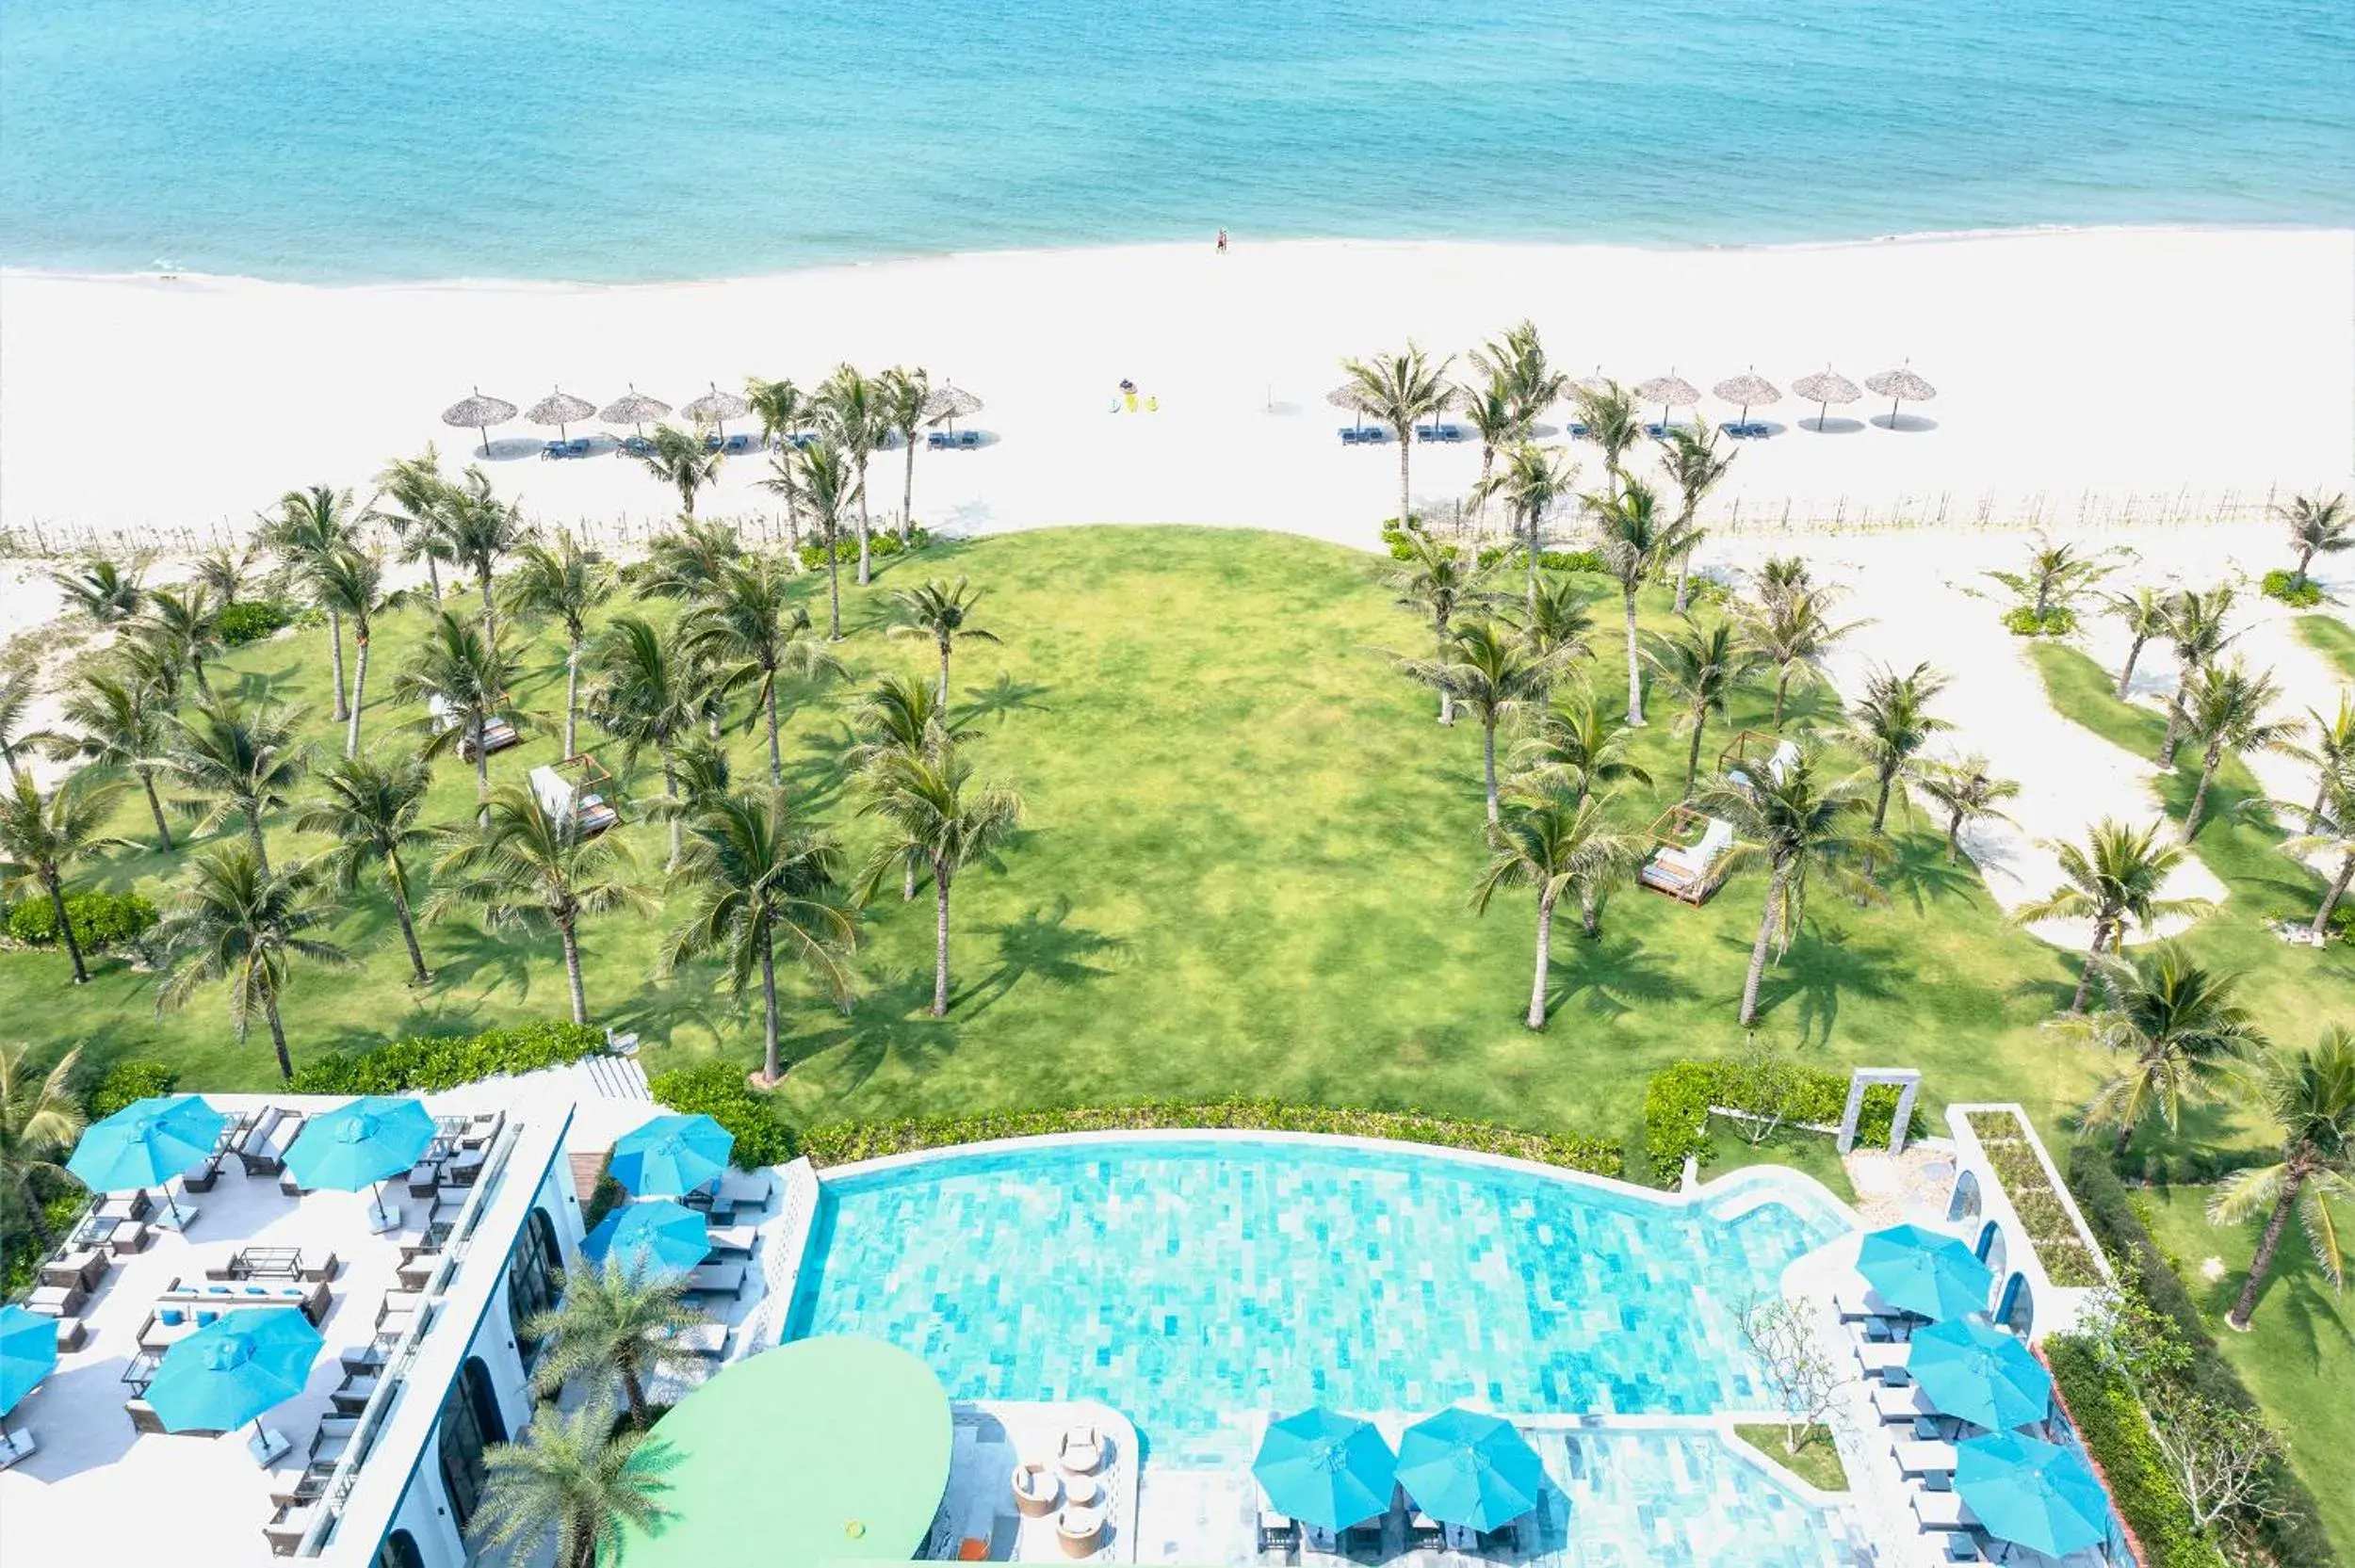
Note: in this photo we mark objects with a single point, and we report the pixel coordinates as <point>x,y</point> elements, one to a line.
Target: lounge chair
<point>57,1300</point>
<point>733,1239</point>
<point>84,1268</point>
<point>969,440</point>
<point>253,1149</point>
<point>143,1417</point>
<point>1082,1451</point>
<point>1881,1357</point>
<point>201,1176</point>
<point>940,441</point>
<point>130,1238</point>
<point>1036,1489</point>
<point>1080,1529</point>
<point>707,1339</point>
<point>738,443</point>
<point>717,1279</point>
<point>327,1444</point>
<point>553,449</point>
<point>635,446</point>
<point>1943,1511</point>
<point>1902,1402</point>
<point>1575,430</point>
<point>1279,1532</point>
<point>289,1524</point>
<point>133,1206</point>
<point>352,1395</point>
<point>1916,1458</point>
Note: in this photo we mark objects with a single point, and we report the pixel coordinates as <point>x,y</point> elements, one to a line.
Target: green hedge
<point>430,1062</point>
<point>2284,586</point>
<point>2060,620</point>
<point>840,1145</point>
<point>251,619</point>
<point>61,1205</point>
<point>2110,1421</point>
<point>1678,1097</point>
<point>879,543</point>
<point>1573,560</point>
<point>128,1081</point>
<point>717,1090</point>
<point>100,919</point>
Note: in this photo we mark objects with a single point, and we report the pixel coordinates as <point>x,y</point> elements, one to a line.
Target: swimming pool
<point>1189,1281</point>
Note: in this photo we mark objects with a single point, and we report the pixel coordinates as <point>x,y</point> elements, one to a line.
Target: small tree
<point>2318,526</point>
<point>118,722</point>
<point>2224,711</point>
<point>459,675</point>
<point>101,589</point>
<point>1401,390</point>
<point>1967,793</point>
<point>2196,627</point>
<point>240,761</point>
<point>1553,845</point>
<point>2331,834</point>
<point>1704,665</point>
<point>2172,1027</point>
<point>2048,587</point>
<point>1493,674</point>
<point>1804,1380</point>
<point>574,1478</point>
<point>2113,879</point>
<point>2221,1458</point>
<point>942,614</point>
<point>1441,581</point>
<point>565,583</point>
<point>2144,614</point>
<point>618,1320</point>
<point>1793,628</point>
<point>824,482</point>
<point>931,810</point>
<point>750,630</point>
<point>2309,1097</point>
<point>370,810</point>
<point>681,460</point>
<point>851,411</point>
<point>236,922</point>
<point>1770,1086</point>
<point>1630,535</point>
<point>902,391</point>
<point>312,527</point>
<point>42,836</point>
<point>41,1117</point>
<point>1690,452</point>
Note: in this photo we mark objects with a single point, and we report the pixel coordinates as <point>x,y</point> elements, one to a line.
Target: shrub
<point>100,919</point>
<point>2058,621</point>
<point>61,1206</point>
<point>127,1082</point>
<point>2110,1421</point>
<point>2050,1232</point>
<point>717,1090</point>
<point>881,542</point>
<point>251,619</point>
<point>428,1063</point>
<point>841,1145</point>
<point>604,1198</point>
<point>1678,1098</point>
<point>2285,587</point>
<point>1572,561</point>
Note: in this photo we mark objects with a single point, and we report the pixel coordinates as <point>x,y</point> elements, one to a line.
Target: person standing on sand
<point>1221,242</point>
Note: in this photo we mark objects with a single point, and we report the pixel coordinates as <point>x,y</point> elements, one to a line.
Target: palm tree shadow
<point>1828,964</point>
<point>463,956</point>
<point>891,1020</point>
<point>1921,876</point>
<point>430,1017</point>
<point>1611,976</point>
<point>1042,944</point>
<point>257,685</point>
<point>819,766</point>
<point>656,1012</point>
<point>1001,698</point>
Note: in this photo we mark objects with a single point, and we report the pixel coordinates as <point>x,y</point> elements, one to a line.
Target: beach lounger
<point>967,439</point>
<point>1925,1459</point>
<point>707,1339</point>
<point>1881,1357</point>
<point>552,450</point>
<point>1860,1303</point>
<point>125,1206</point>
<point>1943,1511</point>
<point>738,443</point>
<point>1279,1532</point>
<point>732,1240</point>
<point>57,1300</point>
<point>1902,1402</point>
<point>249,1149</point>
<point>1575,430</point>
<point>81,1269</point>
<point>635,446</point>
<point>940,439</point>
<point>717,1279</point>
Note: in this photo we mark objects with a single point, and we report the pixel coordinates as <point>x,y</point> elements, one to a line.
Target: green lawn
<point>1817,1463</point>
<point>2298,1358</point>
<point>2333,638</point>
<point>1246,869</point>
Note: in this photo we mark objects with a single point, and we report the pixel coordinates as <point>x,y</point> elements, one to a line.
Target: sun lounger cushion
<point>717,1279</point>
<point>1943,1510</point>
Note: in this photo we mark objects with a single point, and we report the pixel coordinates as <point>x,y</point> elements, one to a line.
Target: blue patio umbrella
<point>228,1372</point>
<point>2034,1493</point>
<point>28,1349</point>
<point>1465,1469</point>
<point>1325,1469</point>
<point>146,1143</point>
<point>657,1235</point>
<point>1971,1368</point>
<point>672,1155</point>
<point>357,1144</point>
<point>1923,1271</point>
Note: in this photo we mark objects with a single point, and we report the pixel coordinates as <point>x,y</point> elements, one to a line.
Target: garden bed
<point>2052,1229</point>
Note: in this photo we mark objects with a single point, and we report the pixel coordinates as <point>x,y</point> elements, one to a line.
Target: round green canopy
<point>818,1451</point>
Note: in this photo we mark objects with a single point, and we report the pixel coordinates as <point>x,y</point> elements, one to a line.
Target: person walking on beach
<point>1221,242</point>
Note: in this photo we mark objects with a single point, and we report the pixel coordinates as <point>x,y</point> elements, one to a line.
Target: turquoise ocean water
<point>600,140</point>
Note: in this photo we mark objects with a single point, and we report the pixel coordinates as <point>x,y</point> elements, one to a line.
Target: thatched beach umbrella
<point>1823,389</point>
<point>1351,396</point>
<point>1900,385</point>
<point>634,408</point>
<point>1671,391</point>
<point>948,404</point>
<point>560,408</point>
<point>479,413</point>
<point>717,406</point>
<point>1745,389</point>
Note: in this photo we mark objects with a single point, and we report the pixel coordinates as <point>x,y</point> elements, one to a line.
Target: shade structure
<point>657,1237</point>
<point>228,1372</point>
<point>1824,388</point>
<point>1968,1367</point>
<point>1747,389</point>
<point>370,1139</point>
<point>1598,383</point>
<point>1922,1272</point>
<point>670,1156</point>
<point>146,1143</point>
<point>1325,1469</point>
<point>1900,385</point>
<point>1465,1469</point>
<point>634,408</point>
<point>478,413</point>
<point>948,404</point>
<point>1670,390</point>
<point>28,1351</point>
<point>560,408</point>
<point>716,406</point>
<point>1350,396</point>
<point>2033,1493</point>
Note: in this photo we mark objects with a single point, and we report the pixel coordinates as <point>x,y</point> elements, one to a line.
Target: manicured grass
<point>1817,1463</point>
<point>2333,638</point>
<point>2298,1358</point>
<point>1247,868</point>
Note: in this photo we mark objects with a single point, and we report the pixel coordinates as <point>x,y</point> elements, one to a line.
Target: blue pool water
<point>616,140</point>
<point>1189,1283</point>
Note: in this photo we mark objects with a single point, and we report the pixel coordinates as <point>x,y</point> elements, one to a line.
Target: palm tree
<point>565,583</point>
<point>932,809</point>
<point>482,529</point>
<point>1704,666</point>
<point>527,868</point>
<point>2113,879</point>
<point>42,836</point>
<point>1629,537</point>
<point>241,762</point>
<point>2144,614</point>
<point>1784,574</point>
<point>2331,752</point>
<point>574,1478</point>
<point>2318,526</point>
<point>685,562</point>
<point>1401,390</point>
<point>17,690</point>
<point>39,1119</point>
<point>238,922</point>
<point>1553,846</point>
<point>2056,577</point>
<point>683,460</point>
<point>183,626</point>
<point>1574,749</point>
<point>902,393</point>
<point>755,875</point>
<point>351,584</point>
<point>370,810</point>
<point>2331,836</point>
<point>1535,479</point>
<point>903,716</point>
<point>1690,455</point>
<point>419,516</point>
<point>1967,793</point>
<point>2225,712</point>
<point>460,675</point>
<point>1535,385</point>
<point>2309,1098</point>
<point>821,476</point>
<point>1496,676</point>
<point>118,722</point>
<point>101,589</point>
<point>1496,418</point>
<point>750,631</point>
<point>849,408</point>
<point>1441,580</point>
<point>1792,627</point>
<point>311,527</point>
<point>782,410</point>
<point>943,612</point>
<point>2175,1027</point>
<point>1612,423</point>
<point>2196,629</point>
<point>1891,726</point>
<point>1800,826</point>
<point>613,1319</point>
<point>227,570</point>
<point>649,691</point>
<point>1558,621</point>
